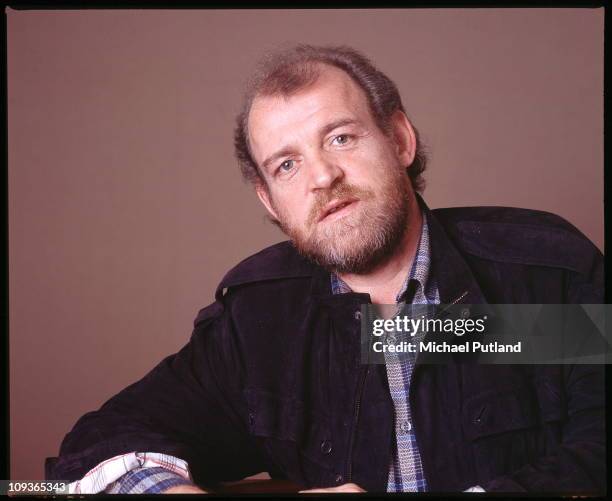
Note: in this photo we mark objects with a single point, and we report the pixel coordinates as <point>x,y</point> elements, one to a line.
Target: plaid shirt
<point>405,470</point>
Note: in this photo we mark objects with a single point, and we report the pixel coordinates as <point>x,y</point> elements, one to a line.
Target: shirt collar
<point>417,277</point>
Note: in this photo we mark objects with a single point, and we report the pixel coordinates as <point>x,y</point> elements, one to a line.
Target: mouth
<point>337,209</point>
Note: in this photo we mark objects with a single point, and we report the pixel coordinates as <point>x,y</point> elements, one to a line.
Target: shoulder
<point>515,235</point>
<point>277,262</point>
<point>274,264</point>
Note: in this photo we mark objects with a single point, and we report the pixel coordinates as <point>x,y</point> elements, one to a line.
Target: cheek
<point>290,209</point>
<point>373,157</point>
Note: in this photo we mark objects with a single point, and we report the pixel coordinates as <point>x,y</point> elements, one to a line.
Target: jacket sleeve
<point>189,406</point>
<point>579,463</point>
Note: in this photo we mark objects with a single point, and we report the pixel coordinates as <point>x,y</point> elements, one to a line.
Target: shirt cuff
<point>476,488</point>
<point>146,481</point>
<point>105,473</point>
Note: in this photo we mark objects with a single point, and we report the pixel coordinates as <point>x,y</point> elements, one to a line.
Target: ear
<point>404,138</point>
<point>264,197</point>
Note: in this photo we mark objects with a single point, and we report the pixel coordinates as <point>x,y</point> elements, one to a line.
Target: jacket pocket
<point>494,413</point>
<point>503,431</point>
<point>296,440</point>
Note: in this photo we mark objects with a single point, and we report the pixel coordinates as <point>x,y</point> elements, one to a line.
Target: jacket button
<point>465,313</point>
<point>326,447</point>
<point>357,315</point>
<point>339,479</point>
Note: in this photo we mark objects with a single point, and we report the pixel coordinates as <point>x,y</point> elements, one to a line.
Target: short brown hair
<point>290,70</point>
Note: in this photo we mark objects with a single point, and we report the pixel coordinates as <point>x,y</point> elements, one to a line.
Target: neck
<point>384,282</point>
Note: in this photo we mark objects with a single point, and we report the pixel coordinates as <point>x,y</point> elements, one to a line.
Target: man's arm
<point>190,406</point>
<point>579,463</point>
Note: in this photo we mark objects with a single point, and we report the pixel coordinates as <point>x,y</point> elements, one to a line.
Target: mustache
<point>338,191</point>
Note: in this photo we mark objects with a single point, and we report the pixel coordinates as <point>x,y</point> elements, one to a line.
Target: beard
<point>364,238</point>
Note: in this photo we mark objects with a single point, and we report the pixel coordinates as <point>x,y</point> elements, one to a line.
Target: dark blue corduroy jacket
<point>271,379</point>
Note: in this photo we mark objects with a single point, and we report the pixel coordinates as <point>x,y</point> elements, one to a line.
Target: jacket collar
<point>456,283</point>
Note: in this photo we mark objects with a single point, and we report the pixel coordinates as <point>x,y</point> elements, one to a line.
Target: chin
<point>348,254</point>
<point>357,243</point>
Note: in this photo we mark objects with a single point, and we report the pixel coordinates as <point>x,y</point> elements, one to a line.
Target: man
<point>272,378</point>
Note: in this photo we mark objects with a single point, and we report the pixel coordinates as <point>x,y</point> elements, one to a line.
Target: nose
<point>324,172</point>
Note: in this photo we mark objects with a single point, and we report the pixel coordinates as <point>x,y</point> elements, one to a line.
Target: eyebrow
<point>279,154</point>
<point>336,124</point>
<point>326,129</point>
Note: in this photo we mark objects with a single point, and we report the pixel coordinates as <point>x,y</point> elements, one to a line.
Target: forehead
<point>334,93</point>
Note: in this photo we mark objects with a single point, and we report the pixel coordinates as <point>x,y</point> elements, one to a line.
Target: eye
<point>286,166</point>
<point>342,139</point>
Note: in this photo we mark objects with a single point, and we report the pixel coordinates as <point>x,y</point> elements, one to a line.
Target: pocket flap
<point>493,413</point>
<point>270,416</point>
<point>285,419</point>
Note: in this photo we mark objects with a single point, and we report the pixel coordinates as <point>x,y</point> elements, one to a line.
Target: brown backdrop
<point>125,203</point>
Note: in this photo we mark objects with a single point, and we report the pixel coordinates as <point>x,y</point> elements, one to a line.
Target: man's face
<point>335,182</point>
